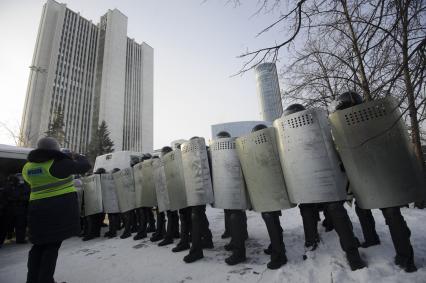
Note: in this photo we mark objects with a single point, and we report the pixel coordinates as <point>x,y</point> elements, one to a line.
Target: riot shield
<point>175,180</point>
<point>137,174</point>
<point>308,158</point>
<point>92,195</point>
<point>148,196</point>
<point>258,154</point>
<point>125,187</point>
<point>196,173</point>
<point>109,194</point>
<point>163,202</point>
<point>228,182</point>
<point>379,159</point>
<point>78,184</point>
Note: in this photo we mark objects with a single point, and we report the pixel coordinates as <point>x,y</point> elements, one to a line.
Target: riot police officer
<point>146,217</point>
<point>201,236</point>
<point>53,214</point>
<point>332,188</point>
<point>276,248</point>
<point>172,230</point>
<point>398,228</point>
<point>230,194</point>
<point>94,221</point>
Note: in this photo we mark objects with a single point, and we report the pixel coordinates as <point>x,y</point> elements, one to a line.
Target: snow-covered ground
<point>115,260</point>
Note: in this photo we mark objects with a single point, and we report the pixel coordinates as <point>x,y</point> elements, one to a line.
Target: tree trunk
<point>412,108</point>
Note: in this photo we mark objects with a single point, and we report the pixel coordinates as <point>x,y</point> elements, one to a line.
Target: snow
<point>115,260</point>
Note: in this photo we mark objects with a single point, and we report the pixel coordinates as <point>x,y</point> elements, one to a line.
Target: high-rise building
<point>91,73</point>
<point>268,91</point>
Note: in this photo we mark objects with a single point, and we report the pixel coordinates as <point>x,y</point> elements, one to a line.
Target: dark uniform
<point>398,228</point>
<point>201,236</point>
<point>53,213</point>
<point>338,216</point>
<point>18,203</point>
<point>4,222</point>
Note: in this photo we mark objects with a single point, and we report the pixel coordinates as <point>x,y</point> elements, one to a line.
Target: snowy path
<point>115,260</point>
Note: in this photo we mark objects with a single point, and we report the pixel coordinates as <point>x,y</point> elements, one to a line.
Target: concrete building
<point>268,91</point>
<point>92,73</point>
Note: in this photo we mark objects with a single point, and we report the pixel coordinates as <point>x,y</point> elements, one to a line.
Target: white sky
<point>195,47</point>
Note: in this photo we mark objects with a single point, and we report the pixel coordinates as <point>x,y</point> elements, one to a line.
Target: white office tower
<point>92,73</point>
<point>268,91</point>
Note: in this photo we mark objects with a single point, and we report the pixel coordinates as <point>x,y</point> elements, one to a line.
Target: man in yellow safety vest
<point>53,214</point>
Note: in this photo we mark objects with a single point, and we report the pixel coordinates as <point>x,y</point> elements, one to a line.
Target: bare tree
<point>376,47</point>
<point>19,138</point>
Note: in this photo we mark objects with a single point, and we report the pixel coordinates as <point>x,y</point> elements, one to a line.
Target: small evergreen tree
<point>56,127</point>
<point>100,143</point>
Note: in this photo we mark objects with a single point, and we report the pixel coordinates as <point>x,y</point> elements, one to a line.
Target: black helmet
<point>223,134</point>
<point>115,170</point>
<point>48,143</point>
<point>194,138</point>
<point>145,157</point>
<point>100,171</point>
<point>258,128</point>
<point>166,149</point>
<point>293,109</point>
<point>346,100</point>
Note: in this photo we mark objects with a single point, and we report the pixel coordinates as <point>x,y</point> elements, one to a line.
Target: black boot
<point>354,259</point>
<point>343,226</point>
<point>272,221</point>
<point>400,234</point>
<point>226,234</point>
<point>142,217</point>
<point>140,236</point>
<point>165,242</point>
<point>368,226</point>
<point>197,233</point>
<point>268,250</point>
<point>181,247</point>
<point>238,237</point>
<point>193,256</point>
<point>161,228</point>
<point>127,225</point>
<point>276,263</point>
<point>185,227</point>
<point>235,259</point>
<point>406,263</point>
<point>206,234</point>
<point>309,214</point>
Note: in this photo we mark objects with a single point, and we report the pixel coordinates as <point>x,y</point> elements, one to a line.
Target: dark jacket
<point>57,218</point>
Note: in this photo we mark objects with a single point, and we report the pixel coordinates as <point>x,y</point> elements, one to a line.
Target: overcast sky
<point>195,47</point>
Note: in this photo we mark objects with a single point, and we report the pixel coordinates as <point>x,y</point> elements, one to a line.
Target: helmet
<point>166,149</point>
<point>115,170</point>
<point>48,143</point>
<point>194,138</point>
<point>293,109</point>
<point>223,134</point>
<point>100,171</point>
<point>346,100</point>
<point>258,128</point>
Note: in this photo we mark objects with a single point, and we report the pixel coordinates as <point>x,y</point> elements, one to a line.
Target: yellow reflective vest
<point>43,184</point>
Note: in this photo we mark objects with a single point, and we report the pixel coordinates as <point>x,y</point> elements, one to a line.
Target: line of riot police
<point>307,158</point>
